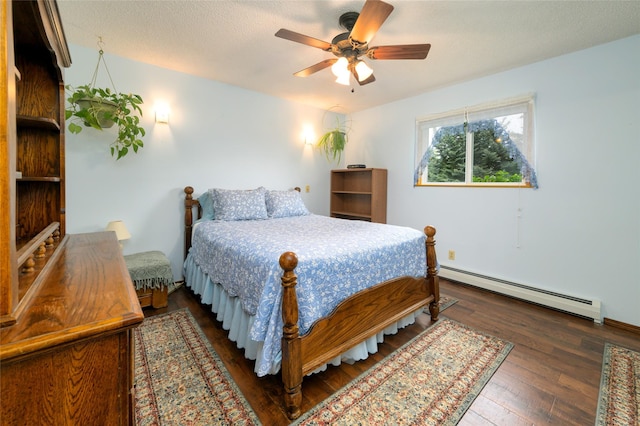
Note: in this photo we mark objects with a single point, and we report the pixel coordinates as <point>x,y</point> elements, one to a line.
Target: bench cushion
<point>149,270</point>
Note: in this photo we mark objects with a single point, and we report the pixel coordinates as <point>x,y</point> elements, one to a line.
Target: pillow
<point>285,204</point>
<point>231,204</point>
<point>206,203</point>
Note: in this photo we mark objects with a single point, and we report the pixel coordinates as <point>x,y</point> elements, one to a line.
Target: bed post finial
<point>291,351</point>
<point>288,261</point>
<point>432,272</point>
<point>430,231</point>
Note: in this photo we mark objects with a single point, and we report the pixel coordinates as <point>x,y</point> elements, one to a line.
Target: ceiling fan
<point>349,47</point>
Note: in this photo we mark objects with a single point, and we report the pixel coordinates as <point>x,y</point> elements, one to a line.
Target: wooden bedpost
<point>188,218</point>
<point>291,354</point>
<point>432,272</point>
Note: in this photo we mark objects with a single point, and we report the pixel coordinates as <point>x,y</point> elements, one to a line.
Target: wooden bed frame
<point>355,319</point>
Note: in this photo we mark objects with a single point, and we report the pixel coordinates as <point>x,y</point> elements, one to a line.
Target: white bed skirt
<point>234,319</point>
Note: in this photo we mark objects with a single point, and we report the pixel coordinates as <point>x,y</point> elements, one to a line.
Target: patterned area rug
<point>445,302</point>
<point>431,380</point>
<point>180,380</point>
<point>172,358</point>
<point>619,400</point>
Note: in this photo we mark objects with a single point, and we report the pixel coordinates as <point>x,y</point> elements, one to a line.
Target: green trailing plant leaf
<point>332,143</point>
<point>102,108</point>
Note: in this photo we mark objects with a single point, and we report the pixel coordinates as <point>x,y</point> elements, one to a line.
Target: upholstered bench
<point>151,275</point>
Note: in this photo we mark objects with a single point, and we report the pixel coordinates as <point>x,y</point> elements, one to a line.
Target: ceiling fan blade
<point>315,68</point>
<point>405,51</point>
<point>301,38</point>
<point>372,16</point>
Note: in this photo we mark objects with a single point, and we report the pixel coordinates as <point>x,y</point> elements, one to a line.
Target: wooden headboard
<point>189,204</point>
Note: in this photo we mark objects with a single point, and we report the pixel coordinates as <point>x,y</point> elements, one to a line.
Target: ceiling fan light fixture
<point>363,70</point>
<point>344,79</point>
<point>340,68</point>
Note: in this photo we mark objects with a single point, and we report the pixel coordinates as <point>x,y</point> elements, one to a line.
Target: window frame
<point>461,117</point>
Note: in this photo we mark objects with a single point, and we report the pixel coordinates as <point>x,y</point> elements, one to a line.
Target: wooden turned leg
<point>434,310</point>
<point>293,402</point>
<point>432,272</point>
<point>291,366</point>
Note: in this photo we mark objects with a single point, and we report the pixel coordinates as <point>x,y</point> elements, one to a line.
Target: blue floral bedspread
<point>336,258</point>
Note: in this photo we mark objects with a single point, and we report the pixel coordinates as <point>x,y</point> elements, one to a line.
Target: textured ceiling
<point>233,41</point>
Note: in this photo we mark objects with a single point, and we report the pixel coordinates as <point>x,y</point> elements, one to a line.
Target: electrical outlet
<point>452,255</point>
<point>307,188</point>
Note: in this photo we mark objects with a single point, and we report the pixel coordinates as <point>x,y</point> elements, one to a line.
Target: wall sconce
<point>122,233</point>
<point>308,135</point>
<point>162,113</point>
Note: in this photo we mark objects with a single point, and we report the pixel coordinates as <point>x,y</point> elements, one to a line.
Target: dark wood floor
<point>551,376</point>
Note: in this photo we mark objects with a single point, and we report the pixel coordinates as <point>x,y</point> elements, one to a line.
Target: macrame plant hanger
<point>102,108</point>
<point>104,63</point>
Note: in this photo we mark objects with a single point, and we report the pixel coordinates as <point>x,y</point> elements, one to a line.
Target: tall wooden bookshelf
<point>33,177</point>
<point>359,194</point>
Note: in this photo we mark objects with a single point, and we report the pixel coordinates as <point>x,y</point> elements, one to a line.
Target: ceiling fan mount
<point>361,28</point>
<point>348,19</point>
<point>342,45</point>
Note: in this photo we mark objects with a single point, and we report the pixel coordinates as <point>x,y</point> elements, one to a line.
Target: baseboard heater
<point>574,305</point>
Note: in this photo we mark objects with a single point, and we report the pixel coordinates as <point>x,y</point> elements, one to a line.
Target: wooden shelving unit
<point>67,303</point>
<point>33,177</point>
<point>359,194</point>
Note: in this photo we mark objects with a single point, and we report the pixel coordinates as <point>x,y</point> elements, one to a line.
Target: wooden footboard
<point>355,319</point>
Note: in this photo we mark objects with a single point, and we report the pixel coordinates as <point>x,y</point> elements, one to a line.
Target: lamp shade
<point>344,79</point>
<point>363,70</point>
<point>162,113</point>
<point>122,233</point>
<point>341,67</point>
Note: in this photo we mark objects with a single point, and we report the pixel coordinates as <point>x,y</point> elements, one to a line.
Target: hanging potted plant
<point>90,106</point>
<point>333,142</point>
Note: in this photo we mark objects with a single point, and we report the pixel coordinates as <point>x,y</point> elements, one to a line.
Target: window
<point>485,145</point>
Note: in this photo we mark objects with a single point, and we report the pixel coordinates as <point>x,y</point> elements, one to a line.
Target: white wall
<point>218,136</point>
<point>579,234</point>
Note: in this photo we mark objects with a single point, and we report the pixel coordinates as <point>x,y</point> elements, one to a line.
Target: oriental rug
<point>432,380</point>
<point>180,380</point>
<point>445,302</point>
<point>619,399</point>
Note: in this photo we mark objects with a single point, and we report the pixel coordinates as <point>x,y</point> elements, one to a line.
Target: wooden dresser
<point>69,357</point>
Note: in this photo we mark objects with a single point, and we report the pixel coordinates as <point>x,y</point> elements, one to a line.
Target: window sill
<point>475,185</point>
